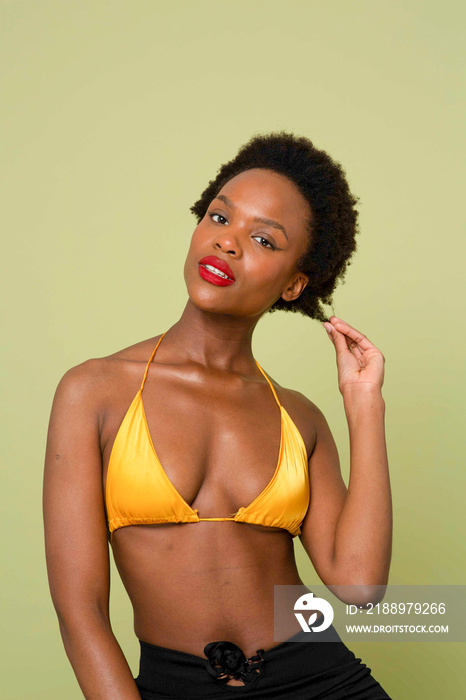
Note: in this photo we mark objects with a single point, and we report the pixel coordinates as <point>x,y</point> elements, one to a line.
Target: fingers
<point>354,338</point>
<point>348,341</point>
<point>337,338</point>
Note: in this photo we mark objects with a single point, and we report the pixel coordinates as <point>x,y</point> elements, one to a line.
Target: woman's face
<point>255,230</point>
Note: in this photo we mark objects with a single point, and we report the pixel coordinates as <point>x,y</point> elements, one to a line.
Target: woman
<point>169,448</point>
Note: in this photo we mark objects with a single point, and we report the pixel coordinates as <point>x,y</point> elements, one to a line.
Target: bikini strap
<point>269,383</point>
<point>150,360</point>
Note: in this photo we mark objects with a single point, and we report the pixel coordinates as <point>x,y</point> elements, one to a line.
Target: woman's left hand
<point>359,362</point>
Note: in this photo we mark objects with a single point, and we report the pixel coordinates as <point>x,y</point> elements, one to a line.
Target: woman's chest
<point>218,446</point>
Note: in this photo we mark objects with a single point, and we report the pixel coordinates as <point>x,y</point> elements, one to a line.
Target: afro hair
<point>333,226</point>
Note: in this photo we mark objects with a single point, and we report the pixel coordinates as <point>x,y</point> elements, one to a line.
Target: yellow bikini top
<point>139,492</point>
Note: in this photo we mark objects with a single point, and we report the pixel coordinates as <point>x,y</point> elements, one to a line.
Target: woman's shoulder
<point>296,401</point>
<point>97,376</point>
<point>304,413</point>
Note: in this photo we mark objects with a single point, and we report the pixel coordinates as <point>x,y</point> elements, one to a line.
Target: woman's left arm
<point>357,551</point>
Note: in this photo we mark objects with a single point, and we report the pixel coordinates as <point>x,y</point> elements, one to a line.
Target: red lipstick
<point>216,271</point>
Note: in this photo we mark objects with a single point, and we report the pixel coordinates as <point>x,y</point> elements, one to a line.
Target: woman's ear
<point>296,288</point>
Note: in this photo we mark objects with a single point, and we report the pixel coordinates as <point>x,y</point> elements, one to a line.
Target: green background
<point>115,116</point>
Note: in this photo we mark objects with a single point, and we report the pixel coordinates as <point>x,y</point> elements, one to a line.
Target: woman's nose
<point>228,241</point>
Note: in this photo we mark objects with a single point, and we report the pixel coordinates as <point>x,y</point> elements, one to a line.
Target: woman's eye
<point>219,215</point>
<point>269,244</point>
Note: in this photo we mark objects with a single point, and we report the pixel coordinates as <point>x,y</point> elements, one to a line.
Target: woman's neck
<point>212,339</point>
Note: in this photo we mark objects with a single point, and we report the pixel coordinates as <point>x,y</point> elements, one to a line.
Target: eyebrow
<point>258,219</point>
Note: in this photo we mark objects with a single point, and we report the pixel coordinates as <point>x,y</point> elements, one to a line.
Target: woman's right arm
<point>76,537</point>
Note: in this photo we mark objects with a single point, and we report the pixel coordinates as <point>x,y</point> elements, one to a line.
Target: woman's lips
<point>216,271</point>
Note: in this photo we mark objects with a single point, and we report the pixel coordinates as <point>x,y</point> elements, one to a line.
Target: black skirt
<point>292,670</point>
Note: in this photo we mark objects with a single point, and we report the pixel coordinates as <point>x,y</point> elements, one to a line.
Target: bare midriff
<point>194,583</point>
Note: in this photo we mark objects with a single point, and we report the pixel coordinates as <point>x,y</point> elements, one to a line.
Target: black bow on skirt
<point>226,660</point>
